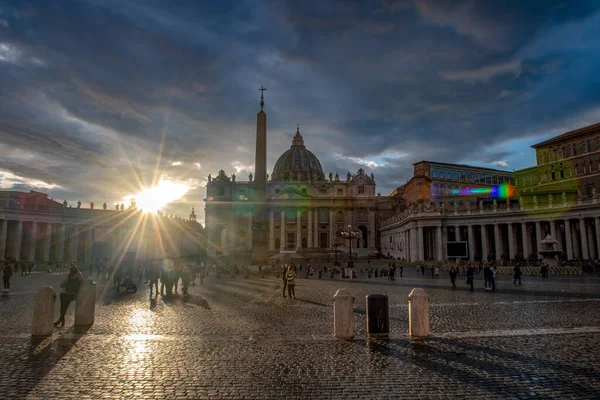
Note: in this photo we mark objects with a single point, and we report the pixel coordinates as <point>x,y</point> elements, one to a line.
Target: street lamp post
<point>335,244</point>
<point>349,235</point>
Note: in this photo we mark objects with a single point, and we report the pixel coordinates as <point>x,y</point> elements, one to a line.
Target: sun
<point>152,199</point>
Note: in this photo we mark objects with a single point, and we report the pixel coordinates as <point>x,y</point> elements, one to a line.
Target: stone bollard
<point>418,313</point>
<point>343,314</point>
<point>43,312</point>
<point>85,305</point>
<point>378,316</point>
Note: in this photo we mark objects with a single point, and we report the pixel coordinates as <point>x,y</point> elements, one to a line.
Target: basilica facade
<point>306,209</point>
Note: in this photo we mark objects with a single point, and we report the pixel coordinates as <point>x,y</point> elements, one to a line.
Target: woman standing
<point>290,277</point>
<point>70,287</point>
<point>6,274</point>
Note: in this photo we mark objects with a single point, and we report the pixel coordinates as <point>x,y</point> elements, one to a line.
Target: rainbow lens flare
<point>503,191</point>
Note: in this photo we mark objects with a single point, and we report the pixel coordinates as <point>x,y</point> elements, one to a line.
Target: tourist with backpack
<point>70,286</point>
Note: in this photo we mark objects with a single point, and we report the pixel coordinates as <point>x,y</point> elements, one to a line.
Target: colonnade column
<point>568,239</point>
<point>552,229</point>
<point>525,240</point>
<point>271,230</point>
<point>331,228</point>
<point>584,242</point>
<point>17,241</point>
<point>471,234</point>
<point>538,234</point>
<point>420,246</point>
<point>590,239</point>
<point>309,241</point>
<point>47,242</point>
<point>74,243</point>
<point>511,241</point>
<point>484,242</point>
<point>282,231</point>
<point>60,250</point>
<point>298,230</point>
<point>89,240</point>
<point>249,234</point>
<point>439,244</point>
<point>32,241</point>
<point>498,248</point>
<point>3,232</point>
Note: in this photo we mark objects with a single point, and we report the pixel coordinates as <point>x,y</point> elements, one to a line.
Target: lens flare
<point>503,191</point>
<point>153,199</point>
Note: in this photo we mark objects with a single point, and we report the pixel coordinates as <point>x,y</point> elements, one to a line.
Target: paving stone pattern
<point>240,339</point>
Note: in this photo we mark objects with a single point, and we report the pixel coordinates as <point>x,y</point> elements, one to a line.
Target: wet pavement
<point>239,338</point>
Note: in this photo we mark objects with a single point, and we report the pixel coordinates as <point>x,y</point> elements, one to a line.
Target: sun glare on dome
<point>153,199</point>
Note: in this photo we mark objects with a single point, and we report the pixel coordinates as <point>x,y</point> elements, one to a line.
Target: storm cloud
<point>101,98</point>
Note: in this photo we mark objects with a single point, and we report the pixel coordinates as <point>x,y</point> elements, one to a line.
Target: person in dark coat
<point>453,273</point>
<point>284,270</point>
<point>517,274</point>
<point>6,274</point>
<point>470,277</point>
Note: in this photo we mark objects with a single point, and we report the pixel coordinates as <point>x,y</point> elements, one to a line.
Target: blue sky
<point>99,97</point>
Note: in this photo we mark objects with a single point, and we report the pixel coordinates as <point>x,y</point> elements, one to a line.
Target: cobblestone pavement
<point>239,338</point>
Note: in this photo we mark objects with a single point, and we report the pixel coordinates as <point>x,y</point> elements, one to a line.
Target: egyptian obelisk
<point>260,245</point>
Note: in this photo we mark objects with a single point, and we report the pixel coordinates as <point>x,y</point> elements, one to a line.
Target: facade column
<point>309,231</point>
<point>371,233</point>
<point>525,232</point>
<point>316,227</point>
<point>438,243</point>
<point>591,244</point>
<point>553,229</point>
<point>89,240</point>
<point>74,243</point>
<point>420,246</point>
<point>60,250</point>
<point>271,230</point>
<point>512,245</point>
<point>282,232</point>
<point>584,242</point>
<point>17,241</point>
<point>569,239</point>
<point>331,228</point>
<point>471,233</point>
<point>497,241</point>
<point>597,225</point>
<point>538,234</point>
<point>47,242</point>
<point>484,242</point>
<point>32,242</point>
<point>298,230</point>
<point>3,237</point>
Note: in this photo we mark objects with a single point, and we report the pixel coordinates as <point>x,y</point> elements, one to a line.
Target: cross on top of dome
<point>298,140</point>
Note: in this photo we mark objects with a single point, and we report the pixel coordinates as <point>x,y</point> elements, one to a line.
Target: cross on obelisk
<point>262,99</point>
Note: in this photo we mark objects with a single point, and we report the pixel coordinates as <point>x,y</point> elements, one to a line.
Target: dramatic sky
<point>100,98</point>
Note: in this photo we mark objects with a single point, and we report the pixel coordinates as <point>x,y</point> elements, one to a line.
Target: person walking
<point>453,273</point>
<point>486,277</point>
<point>401,270</point>
<point>153,274</point>
<point>70,287</point>
<point>492,278</point>
<point>290,277</point>
<point>6,274</point>
<point>284,270</point>
<point>437,272</point>
<point>470,277</point>
<point>517,274</point>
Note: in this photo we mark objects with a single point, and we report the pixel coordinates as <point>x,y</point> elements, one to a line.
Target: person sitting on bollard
<point>290,277</point>
<point>70,287</point>
<point>6,274</point>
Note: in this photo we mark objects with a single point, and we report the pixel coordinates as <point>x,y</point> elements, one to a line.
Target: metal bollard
<point>85,305</point>
<point>418,313</point>
<point>378,317</point>
<point>43,312</point>
<point>343,314</point>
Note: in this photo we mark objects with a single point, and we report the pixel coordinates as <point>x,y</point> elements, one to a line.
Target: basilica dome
<point>297,163</point>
